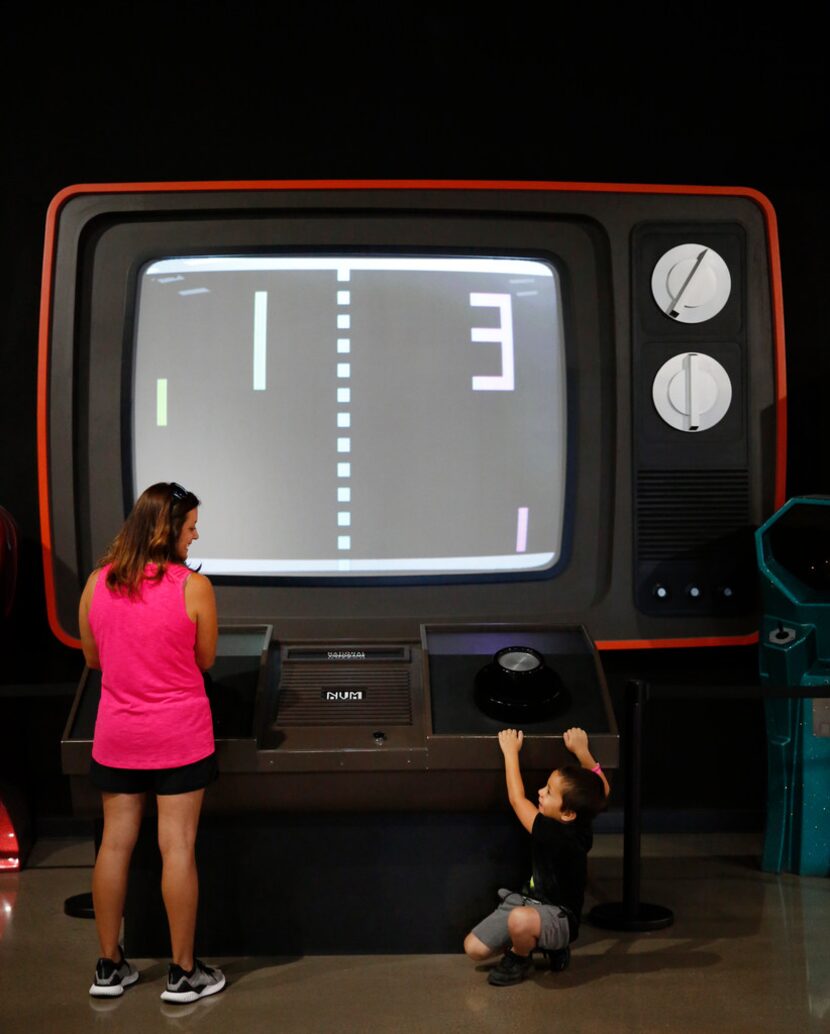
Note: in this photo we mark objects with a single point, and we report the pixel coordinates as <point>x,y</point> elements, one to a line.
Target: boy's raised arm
<point>576,740</point>
<point>510,742</point>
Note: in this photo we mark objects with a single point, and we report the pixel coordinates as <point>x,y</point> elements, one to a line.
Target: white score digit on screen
<point>503,334</point>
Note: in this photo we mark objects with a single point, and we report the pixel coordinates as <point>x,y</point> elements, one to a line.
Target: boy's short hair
<point>582,791</point>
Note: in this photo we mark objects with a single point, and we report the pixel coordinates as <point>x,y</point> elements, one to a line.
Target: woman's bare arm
<point>200,602</point>
<point>88,644</point>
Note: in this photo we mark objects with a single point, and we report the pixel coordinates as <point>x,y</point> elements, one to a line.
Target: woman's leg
<point>122,821</point>
<point>178,822</point>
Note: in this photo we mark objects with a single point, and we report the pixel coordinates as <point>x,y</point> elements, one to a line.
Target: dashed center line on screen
<point>344,417</point>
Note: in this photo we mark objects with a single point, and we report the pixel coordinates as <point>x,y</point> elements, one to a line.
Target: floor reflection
<point>8,896</point>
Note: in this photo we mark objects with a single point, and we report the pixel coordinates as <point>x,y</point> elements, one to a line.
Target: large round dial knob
<point>692,391</point>
<point>518,687</point>
<point>691,283</point>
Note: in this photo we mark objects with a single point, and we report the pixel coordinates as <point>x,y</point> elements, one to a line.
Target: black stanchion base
<point>616,915</point>
<point>79,906</point>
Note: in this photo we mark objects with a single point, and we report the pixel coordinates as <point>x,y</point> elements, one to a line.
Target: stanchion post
<point>631,913</point>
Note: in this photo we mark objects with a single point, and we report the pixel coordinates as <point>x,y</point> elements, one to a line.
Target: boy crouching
<point>546,914</point>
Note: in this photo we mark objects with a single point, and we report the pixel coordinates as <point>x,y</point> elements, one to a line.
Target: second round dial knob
<point>692,391</point>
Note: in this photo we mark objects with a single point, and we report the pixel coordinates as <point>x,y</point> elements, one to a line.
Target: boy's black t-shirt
<point>560,861</point>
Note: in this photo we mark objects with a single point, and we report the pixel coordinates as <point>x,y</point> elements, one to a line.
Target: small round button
<point>694,592</point>
<point>661,592</point>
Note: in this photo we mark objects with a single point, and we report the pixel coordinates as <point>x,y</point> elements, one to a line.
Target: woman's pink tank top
<point>153,711</point>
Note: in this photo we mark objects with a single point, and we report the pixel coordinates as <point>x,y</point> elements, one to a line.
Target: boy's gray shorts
<point>492,930</point>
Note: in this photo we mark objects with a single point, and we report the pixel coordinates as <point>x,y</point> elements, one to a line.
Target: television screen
<point>395,416</point>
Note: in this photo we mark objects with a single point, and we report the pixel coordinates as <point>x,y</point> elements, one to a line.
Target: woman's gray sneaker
<point>185,987</point>
<point>112,977</point>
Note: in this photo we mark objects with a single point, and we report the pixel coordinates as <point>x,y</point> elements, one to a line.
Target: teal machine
<point>794,558</point>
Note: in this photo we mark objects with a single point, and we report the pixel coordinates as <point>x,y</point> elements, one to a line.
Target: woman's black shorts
<point>161,781</point>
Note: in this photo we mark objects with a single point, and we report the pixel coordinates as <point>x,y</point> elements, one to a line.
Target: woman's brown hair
<point>150,535</point>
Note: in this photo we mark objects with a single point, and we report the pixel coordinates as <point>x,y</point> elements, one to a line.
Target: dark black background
<point>191,92</point>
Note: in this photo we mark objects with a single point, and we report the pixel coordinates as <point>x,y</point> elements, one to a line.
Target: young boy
<point>546,914</point>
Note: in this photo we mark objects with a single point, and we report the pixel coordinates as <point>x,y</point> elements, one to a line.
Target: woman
<point>149,623</point>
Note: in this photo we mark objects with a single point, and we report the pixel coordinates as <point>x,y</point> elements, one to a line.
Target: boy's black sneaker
<point>112,977</point>
<point>559,959</point>
<point>512,969</point>
<point>200,982</point>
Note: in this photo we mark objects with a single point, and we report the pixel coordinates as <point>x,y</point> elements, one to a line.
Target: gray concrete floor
<point>748,952</point>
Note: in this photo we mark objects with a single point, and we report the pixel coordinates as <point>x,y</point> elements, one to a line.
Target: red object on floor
<point>9,845</point>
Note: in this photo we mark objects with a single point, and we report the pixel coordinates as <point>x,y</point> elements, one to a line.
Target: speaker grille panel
<point>387,699</point>
<point>689,513</point>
